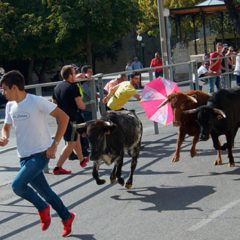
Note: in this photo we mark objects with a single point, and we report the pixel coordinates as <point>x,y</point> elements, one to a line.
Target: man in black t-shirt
<point>67,96</point>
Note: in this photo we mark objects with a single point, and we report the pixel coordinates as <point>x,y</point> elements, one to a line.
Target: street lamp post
<point>163,40</point>
<point>140,47</point>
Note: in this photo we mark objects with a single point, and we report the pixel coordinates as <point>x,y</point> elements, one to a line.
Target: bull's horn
<point>108,123</point>
<point>80,125</point>
<point>216,110</point>
<point>163,103</point>
<point>191,111</point>
<point>192,98</point>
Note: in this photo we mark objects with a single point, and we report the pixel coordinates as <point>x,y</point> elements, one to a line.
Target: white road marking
<point>214,215</point>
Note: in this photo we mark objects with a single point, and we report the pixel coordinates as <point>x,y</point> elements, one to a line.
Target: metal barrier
<point>192,67</point>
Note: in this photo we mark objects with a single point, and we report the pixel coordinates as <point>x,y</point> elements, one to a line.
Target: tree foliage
<point>149,22</point>
<point>41,31</point>
<point>93,23</point>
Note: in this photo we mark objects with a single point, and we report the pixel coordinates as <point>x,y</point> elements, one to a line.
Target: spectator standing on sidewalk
<point>27,113</point>
<point>155,62</point>
<point>215,66</point>
<point>67,96</point>
<point>87,72</point>
<point>121,93</point>
<point>128,68</point>
<point>230,61</point>
<point>223,78</point>
<point>136,65</point>
<point>236,72</point>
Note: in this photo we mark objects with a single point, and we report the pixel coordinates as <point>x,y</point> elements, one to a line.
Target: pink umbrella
<point>154,93</point>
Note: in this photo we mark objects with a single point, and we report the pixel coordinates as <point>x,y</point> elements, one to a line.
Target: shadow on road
<point>169,198</point>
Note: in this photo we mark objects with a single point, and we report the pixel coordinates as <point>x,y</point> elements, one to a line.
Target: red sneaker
<point>60,170</point>
<point>67,225</point>
<point>84,161</point>
<point>45,218</point>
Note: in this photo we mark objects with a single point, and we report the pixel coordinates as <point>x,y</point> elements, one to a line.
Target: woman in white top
<point>236,72</point>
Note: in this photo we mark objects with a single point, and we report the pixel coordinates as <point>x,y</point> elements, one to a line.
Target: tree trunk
<point>234,14</point>
<point>42,76</point>
<point>30,71</point>
<point>89,49</point>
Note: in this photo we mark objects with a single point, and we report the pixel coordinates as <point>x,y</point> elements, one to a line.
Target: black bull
<point>221,116</point>
<point>109,137</point>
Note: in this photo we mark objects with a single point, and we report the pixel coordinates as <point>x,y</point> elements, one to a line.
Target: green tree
<point>234,13</point>
<point>149,22</point>
<point>38,32</point>
<point>25,35</point>
<point>92,25</point>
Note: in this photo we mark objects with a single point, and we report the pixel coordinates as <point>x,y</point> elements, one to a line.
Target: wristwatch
<point>55,142</point>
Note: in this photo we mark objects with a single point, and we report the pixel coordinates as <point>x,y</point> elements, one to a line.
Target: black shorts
<point>71,133</point>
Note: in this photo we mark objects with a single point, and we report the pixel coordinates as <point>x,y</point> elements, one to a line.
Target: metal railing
<point>192,69</point>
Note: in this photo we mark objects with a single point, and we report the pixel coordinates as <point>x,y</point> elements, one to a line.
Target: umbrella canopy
<point>154,93</point>
<point>211,3</point>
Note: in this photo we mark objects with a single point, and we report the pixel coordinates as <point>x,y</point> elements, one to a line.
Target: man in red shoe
<point>68,98</point>
<point>27,113</point>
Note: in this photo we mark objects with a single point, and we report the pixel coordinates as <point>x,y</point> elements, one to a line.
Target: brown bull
<point>187,123</point>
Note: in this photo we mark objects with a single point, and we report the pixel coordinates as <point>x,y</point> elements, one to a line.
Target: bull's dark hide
<point>221,116</point>
<point>109,137</point>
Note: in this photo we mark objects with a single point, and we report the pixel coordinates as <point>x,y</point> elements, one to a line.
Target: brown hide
<point>180,102</point>
<point>187,122</point>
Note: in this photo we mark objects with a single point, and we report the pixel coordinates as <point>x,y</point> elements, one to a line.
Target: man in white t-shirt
<point>203,71</point>
<point>27,114</point>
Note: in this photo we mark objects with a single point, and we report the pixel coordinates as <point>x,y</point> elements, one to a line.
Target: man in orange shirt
<point>157,61</point>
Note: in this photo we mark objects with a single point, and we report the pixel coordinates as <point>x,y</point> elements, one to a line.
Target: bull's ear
<point>82,131</point>
<point>81,128</point>
<point>109,129</point>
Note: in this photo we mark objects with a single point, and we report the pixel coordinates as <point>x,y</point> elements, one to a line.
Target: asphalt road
<point>188,200</point>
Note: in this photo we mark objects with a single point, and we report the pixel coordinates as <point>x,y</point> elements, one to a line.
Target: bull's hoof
<point>121,181</point>
<point>112,180</point>
<point>193,154</point>
<point>217,162</point>
<point>175,159</point>
<point>231,165</point>
<point>128,186</point>
<point>101,181</point>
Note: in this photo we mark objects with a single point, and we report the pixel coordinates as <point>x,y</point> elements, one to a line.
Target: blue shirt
<point>136,65</point>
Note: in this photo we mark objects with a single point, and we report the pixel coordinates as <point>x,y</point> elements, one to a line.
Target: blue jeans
<point>211,82</point>
<point>32,172</point>
<point>237,77</point>
<point>158,74</point>
<point>87,116</point>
